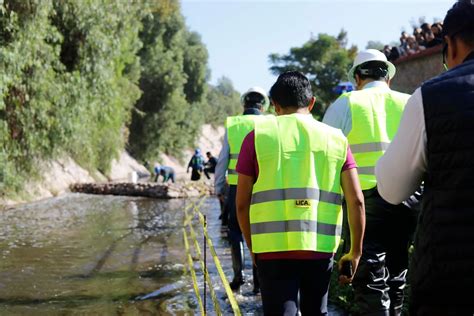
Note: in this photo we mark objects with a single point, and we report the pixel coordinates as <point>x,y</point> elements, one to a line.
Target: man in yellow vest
<point>369,117</point>
<point>254,101</point>
<point>291,170</point>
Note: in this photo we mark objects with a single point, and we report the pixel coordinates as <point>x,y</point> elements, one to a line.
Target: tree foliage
<point>167,117</point>
<point>69,74</point>
<point>378,45</point>
<point>324,59</point>
<point>222,100</point>
<point>88,78</point>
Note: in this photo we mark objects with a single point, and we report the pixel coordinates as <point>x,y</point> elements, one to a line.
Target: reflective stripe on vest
<point>364,148</point>
<point>296,226</point>
<point>296,200</point>
<point>376,114</point>
<point>296,194</point>
<point>237,128</point>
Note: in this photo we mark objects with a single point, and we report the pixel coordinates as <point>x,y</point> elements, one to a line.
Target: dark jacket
<point>442,273</point>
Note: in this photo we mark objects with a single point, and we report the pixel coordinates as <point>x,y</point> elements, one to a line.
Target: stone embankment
<point>153,190</point>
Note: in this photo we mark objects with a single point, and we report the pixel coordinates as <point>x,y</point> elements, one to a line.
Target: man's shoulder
<point>323,127</point>
<point>351,98</point>
<point>339,107</point>
<point>331,130</point>
<point>354,96</point>
<point>243,120</point>
<point>400,95</point>
<point>230,119</point>
<point>234,120</point>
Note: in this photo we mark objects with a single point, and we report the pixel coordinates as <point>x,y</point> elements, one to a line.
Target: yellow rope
<point>215,301</point>
<point>230,294</point>
<point>193,273</point>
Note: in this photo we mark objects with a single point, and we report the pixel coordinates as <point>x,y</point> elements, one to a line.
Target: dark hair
<point>254,100</point>
<point>374,69</point>
<point>459,22</point>
<point>394,54</point>
<point>292,89</point>
<point>425,27</point>
<point>439,26</point>
<point>208,153</point>
<point>467,37</point>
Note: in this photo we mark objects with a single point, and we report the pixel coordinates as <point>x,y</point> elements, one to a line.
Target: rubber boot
<point>237,252</point>
<point>256,281</point>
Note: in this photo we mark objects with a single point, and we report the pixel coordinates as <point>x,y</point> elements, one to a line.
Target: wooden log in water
<point>153,190</point>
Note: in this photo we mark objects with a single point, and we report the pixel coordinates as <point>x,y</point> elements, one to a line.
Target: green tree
<point>69,73</point>
<point>101,72</point>
<point>195,68</point>
<point>222,101</point>
<point>375,45</point>
<point>324,59</point>
<point>84,77</point>
<point>173,80</point>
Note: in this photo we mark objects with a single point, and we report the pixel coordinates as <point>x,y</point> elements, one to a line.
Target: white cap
<point>371,55</point>
<point>266,102</point>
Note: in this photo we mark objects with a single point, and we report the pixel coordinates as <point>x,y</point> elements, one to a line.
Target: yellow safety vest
<point>376,114</point>
<point>237,128</point>
<point>296,200</point>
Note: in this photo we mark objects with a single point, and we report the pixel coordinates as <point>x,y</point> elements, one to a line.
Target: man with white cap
<point>254,101</point>
<point>369,117</point>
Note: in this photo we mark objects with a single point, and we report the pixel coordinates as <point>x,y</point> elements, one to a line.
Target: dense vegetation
<point>88,78</point>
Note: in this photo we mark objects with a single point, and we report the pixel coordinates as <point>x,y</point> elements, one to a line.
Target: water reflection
<point>93,255</point>
<point>106,255</point>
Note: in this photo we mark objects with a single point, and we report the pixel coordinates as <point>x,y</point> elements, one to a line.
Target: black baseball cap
<point>459,18</point>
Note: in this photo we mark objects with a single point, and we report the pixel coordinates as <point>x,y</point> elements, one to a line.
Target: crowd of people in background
<point>423,37</point>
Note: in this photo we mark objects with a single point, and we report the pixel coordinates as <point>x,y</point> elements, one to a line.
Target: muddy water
<point>105,255</point>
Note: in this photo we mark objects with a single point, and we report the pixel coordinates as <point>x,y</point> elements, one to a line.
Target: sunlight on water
<point>107,255</point>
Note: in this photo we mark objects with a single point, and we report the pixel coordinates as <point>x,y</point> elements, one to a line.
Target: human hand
<point>354,260</point>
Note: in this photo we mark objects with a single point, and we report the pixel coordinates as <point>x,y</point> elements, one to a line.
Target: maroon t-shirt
<point>248,165</point>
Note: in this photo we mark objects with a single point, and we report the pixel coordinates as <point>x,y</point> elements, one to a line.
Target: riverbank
<point>57,176</point>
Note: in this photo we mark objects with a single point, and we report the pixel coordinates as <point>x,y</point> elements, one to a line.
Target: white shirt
<point>400,170</point>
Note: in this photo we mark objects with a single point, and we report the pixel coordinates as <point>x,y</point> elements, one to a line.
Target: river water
<point>106,255</point>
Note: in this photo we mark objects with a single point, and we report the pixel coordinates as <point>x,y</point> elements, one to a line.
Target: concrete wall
<point>413,70</point>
